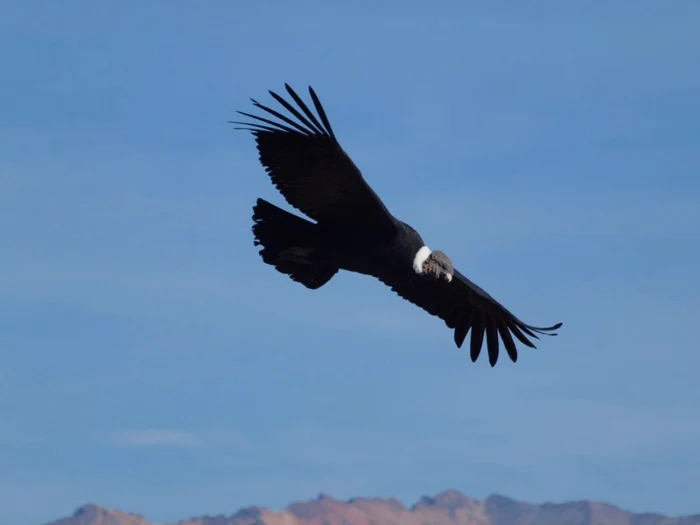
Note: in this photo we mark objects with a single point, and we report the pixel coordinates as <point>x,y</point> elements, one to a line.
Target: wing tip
<point>546,330</point>
<point>477,343</point>
<point>307,125</point>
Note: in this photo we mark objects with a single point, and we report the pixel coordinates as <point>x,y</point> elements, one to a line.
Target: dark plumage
<point>354,231</point>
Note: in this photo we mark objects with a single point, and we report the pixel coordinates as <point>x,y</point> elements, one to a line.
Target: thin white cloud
<point>170,437</point>
<point>150,437</point>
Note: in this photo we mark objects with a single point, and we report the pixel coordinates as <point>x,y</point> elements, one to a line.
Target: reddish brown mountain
<point>447,508</point>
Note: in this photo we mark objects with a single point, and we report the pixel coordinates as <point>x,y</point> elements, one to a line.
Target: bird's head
<point>433,264</point>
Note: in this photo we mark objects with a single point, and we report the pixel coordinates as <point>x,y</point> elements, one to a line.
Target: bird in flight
<point>353,230</point>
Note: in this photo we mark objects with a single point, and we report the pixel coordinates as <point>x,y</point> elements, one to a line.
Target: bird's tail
<point>291,244</point>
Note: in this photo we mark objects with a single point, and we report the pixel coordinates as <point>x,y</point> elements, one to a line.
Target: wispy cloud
<point>150,437</point>
<point>172,437</point>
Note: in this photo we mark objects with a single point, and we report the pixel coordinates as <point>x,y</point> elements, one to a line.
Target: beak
<point>448,277</point>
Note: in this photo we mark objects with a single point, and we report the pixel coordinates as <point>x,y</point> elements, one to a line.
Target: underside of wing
<point>308,166</point>
<point>465,307</point>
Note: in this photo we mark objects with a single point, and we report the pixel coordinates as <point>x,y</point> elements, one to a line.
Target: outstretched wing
<point>309,167</point>
<point>464,306</point>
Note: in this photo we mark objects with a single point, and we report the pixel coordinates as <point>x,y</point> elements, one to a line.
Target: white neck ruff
<point>420,258</point>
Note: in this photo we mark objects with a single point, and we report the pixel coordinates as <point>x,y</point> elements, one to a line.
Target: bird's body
<point>341,246</point>
<point>352,230</point>
<point>370,253</point>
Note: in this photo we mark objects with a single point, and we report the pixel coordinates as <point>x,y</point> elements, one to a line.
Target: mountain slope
<point>447,508</point>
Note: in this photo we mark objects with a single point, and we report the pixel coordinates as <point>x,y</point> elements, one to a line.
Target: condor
<point>354,231</point>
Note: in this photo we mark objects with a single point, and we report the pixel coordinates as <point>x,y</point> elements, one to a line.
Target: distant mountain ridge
<point>450,507</point>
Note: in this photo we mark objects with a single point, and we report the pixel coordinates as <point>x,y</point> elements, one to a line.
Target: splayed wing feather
<point>461,330</point>
<point>316,129</point>
<point>310,169</point>
<point>492,340</point>
<point>321,112</point>
<point>316,125</point>
<point>477,341</point>
<point>508,341</point>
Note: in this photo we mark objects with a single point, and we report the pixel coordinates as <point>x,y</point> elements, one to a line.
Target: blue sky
<point>148,359</point>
